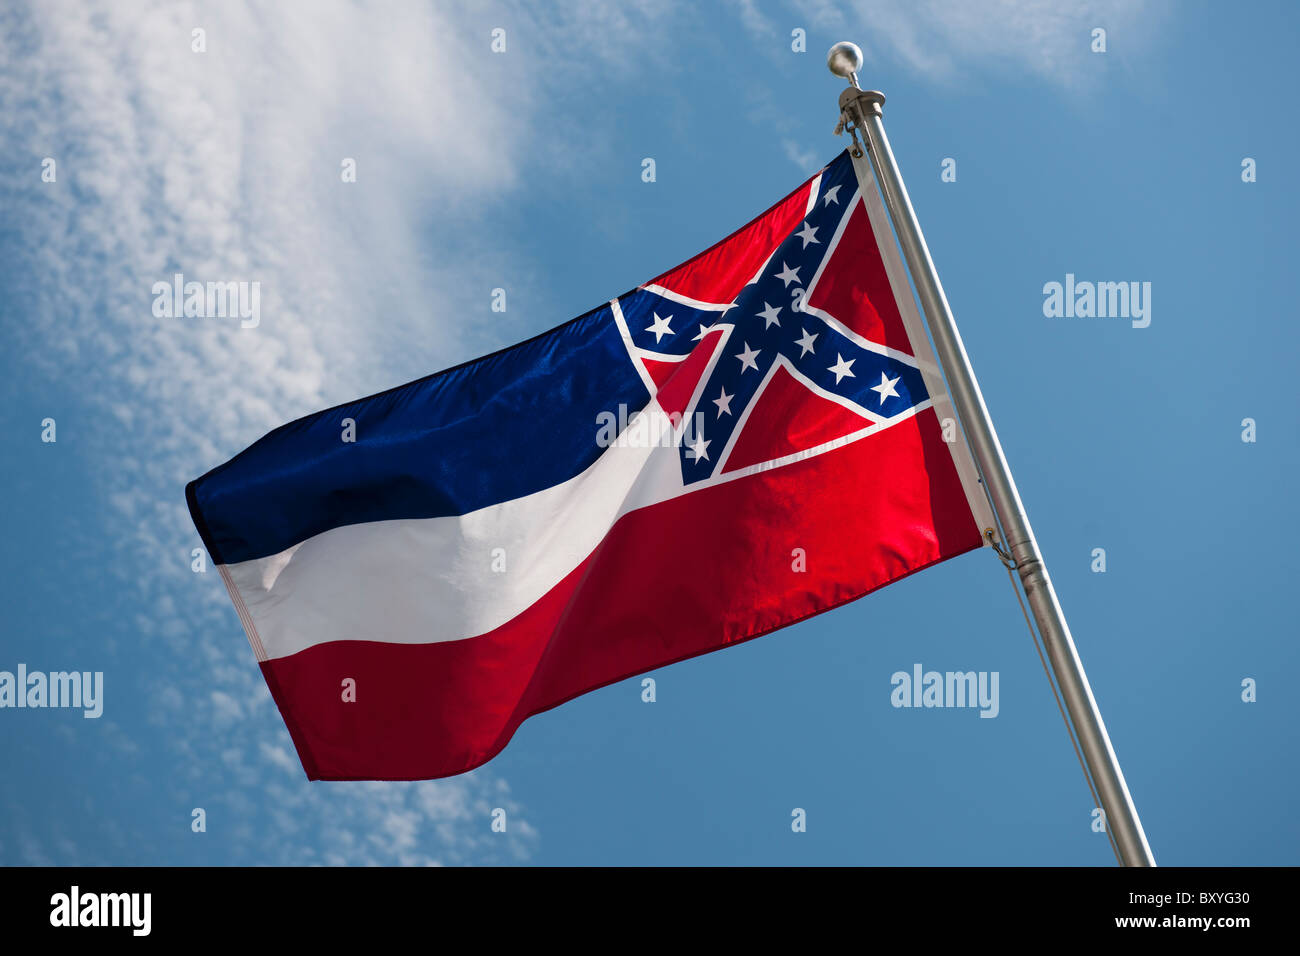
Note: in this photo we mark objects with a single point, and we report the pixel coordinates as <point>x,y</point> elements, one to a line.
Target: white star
<point>806,343</point>
<point>830,196</point>
<point>886,387</point>
<point>723,402</point>
<point>747,359</point>
<point>704,330</point>
<point>842,368</point>
<point>809,233</point>
<point>660,327</point>
<point>769,314</point>
<point>699,448</point>
<point>787,275</point>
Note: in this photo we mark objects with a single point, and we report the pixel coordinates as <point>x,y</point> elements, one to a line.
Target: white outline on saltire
<point>813,186</point>
<point>686,300</point>
<point>859,340</point>
<point>919,337</point>
<point>632,348</point>
<point>783,362</point>
<point>693,406</point>
<point>923,360</point>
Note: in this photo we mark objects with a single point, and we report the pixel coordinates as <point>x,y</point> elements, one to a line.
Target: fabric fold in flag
<point>754,437</point>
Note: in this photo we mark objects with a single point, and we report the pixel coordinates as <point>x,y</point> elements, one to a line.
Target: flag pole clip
<point>856,104</point>
<point>1006,558</point>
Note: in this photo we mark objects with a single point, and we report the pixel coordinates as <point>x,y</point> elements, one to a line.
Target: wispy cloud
<point>804,158</point>
<point>225,165</point>
<point>753,19</point>
<point>947,41</point>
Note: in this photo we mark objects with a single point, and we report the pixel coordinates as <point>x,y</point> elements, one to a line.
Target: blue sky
<point>522,170</point>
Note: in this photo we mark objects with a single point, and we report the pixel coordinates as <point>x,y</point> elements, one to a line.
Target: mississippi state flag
<point>752,438</point>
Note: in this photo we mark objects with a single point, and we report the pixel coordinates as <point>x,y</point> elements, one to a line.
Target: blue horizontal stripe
<point>497,428</point>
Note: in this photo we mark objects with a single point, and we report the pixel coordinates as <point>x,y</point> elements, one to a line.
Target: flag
<point>754,437</point>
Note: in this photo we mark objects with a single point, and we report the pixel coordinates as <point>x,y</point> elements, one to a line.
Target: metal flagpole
<point>861,112</point>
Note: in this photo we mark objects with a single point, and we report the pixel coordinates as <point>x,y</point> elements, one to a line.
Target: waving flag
<point>754,437</point>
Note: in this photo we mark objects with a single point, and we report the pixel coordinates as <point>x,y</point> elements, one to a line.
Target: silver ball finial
<point>845,59</point>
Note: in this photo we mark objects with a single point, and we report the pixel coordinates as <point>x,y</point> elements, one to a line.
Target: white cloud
<point>281,757</point>
<point>753,19</point>
<point>801,156</point>
<point>225,708</point>
<point>225,165</point>
<point>947,41</point>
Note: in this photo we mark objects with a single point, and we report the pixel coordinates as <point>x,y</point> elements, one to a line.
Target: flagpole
<point>861,112</point>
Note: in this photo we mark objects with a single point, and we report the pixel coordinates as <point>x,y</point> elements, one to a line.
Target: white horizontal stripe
<point>421,580</point>
<point>410,581</point>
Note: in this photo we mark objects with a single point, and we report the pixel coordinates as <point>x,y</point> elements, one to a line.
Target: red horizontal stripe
<point>672,581</point>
